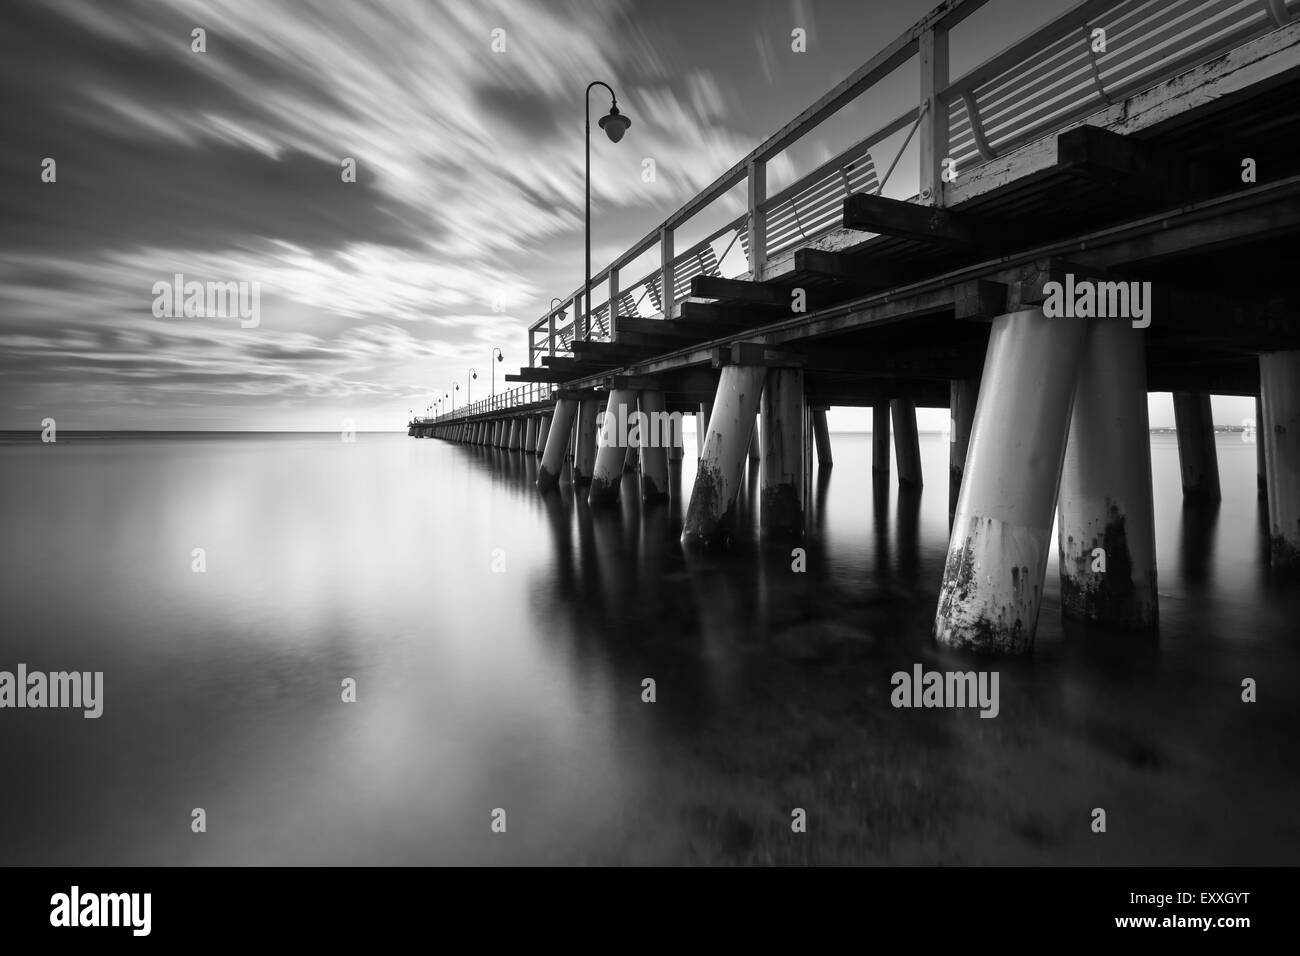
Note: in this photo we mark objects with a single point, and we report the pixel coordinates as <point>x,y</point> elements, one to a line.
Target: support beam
<point>557,443</point>
<point>848,267</point>
<point>584,441</point>
<point>908,220</point>
<point>880,440</point>
<point>756,446</point>
<point>997,556</point>
<point>530,435</point>
<point>964,392</point>
<point>743,290</point>
<point>1261,462</point>
<point>1279,378</point>
<point>1129,165</point>
<point>710,517</point>
<point>822,435</point>
<point>781,473</point>
<point>611,449</point>
<point>1107,539</point>
<point>654,445</point>
<point>515,428</point>
<point>907,443</point>
<point>1197,456</point>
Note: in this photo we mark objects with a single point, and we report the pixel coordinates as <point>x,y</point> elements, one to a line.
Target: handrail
<point>1048,79</point>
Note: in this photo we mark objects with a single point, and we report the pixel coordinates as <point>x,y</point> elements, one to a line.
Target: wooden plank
<point>893,217</point>
<point>538,374</point>
<point>684,330</point>
<point>727,317</point>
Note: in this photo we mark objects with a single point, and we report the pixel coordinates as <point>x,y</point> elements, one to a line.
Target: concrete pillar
<point>756,446</point>
<point>702,426</point>
<point>1197,456</point>
<point>822,435</point>
<point>907,443</point>
<point>710,515</point>
<point>543,431</point>
<point>530,435</point>
<point>1279,387</point>
<point>962,395</point>
<point>781,472</point>
<point>516,426</point>
<point>1107,541</point>
<point>1261,465</point>
<point>611,449</point>
<point>557,443</point>
<point>584,441</point>
<point>880,440</point>
<point>997,555</point>
<point>654,445</point>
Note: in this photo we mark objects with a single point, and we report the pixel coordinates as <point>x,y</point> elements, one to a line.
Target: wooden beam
<point>538,374</point>
<point>727,317</point>
<point>848,267</point>
<point>682,329</point>
<point>1127,164</point>
<point>893,217</point>
<point>752,353</point>
<point>716,287</point>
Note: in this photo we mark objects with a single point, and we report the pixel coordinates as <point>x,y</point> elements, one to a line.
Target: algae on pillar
<point>710,516</point>
<point>1107,538</point>
<point>997,556</point>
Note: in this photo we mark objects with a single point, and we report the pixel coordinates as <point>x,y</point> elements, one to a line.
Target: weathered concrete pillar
<point>1197,456</point>
<point>543,431</point>
<point>907,443</point>
<point>702,426</point>
<point>781,471</point>
<point>516,427</point>
<point>630,459</point>
<point>611,448</point>
<point>530,435</point>
<point>557,443</point>
<point>1107,539</point>
<point>584,441</point>
<point>997,555</point>
<point>710,515</point>
<point>962,395</point>
<point>756,446</point>
<point>654,445</point>
<point>1279,387</point>
<point>880,440</point>
<point>822,435</point>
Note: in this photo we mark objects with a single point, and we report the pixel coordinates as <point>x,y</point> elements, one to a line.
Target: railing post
<point>666,269</point>
<point>613,303</point>
<point>934,118</point>
<point>757,219</point>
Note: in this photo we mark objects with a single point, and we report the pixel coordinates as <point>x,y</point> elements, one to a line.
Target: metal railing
<point>530,393</point>
<point>1051,78</point>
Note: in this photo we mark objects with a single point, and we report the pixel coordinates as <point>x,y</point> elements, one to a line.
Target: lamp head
<point>614,124</point>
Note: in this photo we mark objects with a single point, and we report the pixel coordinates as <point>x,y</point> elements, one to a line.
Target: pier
<point>1108,207</point>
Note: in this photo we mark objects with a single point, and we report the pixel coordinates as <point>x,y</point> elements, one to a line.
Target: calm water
<point>521,690</point>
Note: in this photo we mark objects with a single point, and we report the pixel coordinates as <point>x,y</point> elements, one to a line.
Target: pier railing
<point>520,397</point>
<point>1097,53</point>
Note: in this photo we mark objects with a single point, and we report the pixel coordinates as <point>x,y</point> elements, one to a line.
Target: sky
<point>464,121</point>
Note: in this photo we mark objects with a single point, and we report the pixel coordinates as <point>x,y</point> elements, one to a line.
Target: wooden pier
<point>1108,207</point>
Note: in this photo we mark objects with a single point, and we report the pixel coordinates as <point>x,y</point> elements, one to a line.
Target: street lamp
<point>469,394</point>
<point>500,358</point>
<point>614,124</point>
<point>454,389</point>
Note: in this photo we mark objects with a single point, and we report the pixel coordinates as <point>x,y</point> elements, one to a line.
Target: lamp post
<point>614,124</point>
<point>497,354</point>
<point>470,376</point>
<point>454,389</point>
